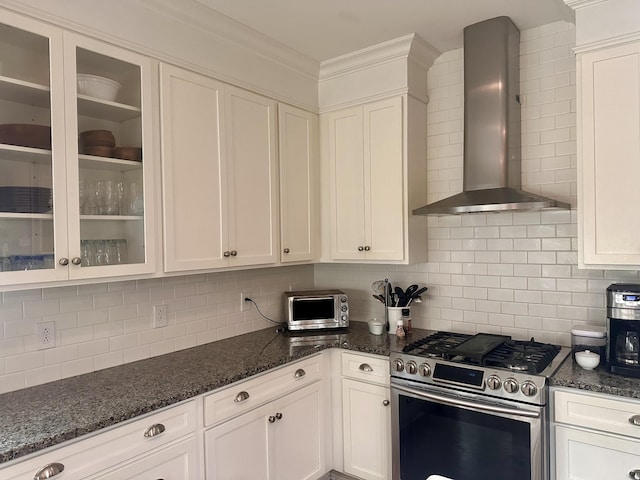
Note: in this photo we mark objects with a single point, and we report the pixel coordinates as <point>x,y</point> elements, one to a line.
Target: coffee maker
<point>623,329</point>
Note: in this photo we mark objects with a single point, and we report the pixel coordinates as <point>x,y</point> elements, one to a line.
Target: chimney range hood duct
<point>491,173</point>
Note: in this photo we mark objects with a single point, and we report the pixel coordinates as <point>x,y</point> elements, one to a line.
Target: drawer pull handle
<point>154,430</point>
<point>385,403</point>
<point>241,397</point>
<point>48,471</point>
<point>634,474</point>
<point>365,367</point>
<point>635,420</point>
<point>299,373</point>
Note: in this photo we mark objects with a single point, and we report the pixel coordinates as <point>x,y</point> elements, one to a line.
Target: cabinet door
<point>367,430</point>
<point>297,436</point>
<point>252,174</point>
<point>609,156</point>
<point>583,455</point>
<point>298,179</point>
<point>238,449</point>
<point>194,176</point>
<point>110,159</point>
<point>384,173</point>
<point>32,153</point>
<point>346,184</point>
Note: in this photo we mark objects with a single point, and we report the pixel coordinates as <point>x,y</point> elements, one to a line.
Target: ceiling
<point>323,29</point>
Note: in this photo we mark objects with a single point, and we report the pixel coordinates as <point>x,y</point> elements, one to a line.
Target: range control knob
<point>511,385</point>
<point>494,382</point>
<point>424,369</point>
<point>398,365</point>
<point>529,388</point>
<point>411,367</point>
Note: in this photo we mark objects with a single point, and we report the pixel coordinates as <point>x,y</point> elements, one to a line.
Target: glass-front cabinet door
<point>32,153</point>
<point>76,156</point>
<point>109,155</point>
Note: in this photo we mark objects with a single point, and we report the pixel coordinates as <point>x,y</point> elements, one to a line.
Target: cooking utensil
<point>420,292</point>
<point>379,298</point>
<point>378,287</point>
<point>399,297</point>
<point>411,290</point>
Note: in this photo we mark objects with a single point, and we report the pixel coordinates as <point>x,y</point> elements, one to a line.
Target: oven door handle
<point>465,403</point>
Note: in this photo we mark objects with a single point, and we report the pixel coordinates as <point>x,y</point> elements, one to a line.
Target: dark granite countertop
<point>34,418</point>
<point>571,375</point>
<point>38,417</point>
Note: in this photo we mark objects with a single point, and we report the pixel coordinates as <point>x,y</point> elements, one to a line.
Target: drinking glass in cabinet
<point>103,252</point>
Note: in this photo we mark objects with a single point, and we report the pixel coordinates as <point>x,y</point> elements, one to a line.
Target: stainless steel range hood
<point>491,126</point>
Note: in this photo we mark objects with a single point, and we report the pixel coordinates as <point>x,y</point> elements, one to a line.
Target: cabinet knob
<point>635,420</point>
<point>154,430</point>
<point>634,474</point>
<point>278,416</point>
<point>241,397</point>
<point>227,254</point>
<point>365,367</point>
<point>63,261</point>
<point>272,419</point>
<point>360,248</point>
<point>76,260</point>
<point>286,250</point>
<point>234,253</point>
<point>385,403</point>
<point>48,471</point>
<point>299,373</point>
<point>367,248</point>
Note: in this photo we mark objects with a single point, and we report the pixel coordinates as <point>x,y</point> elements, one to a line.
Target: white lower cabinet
<point>595,437</point>
<point>282,440</point>
<point>162,442</point>
<point>366,416</point>
<point>586,455</point>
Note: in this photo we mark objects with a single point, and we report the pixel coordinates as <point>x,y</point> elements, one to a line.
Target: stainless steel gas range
<point>471,407</point>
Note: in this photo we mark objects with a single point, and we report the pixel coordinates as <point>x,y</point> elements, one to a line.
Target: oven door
<point>440,433</point>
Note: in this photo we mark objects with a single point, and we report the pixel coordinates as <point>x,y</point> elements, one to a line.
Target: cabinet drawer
<point>246,395</point>
<point>102,451</point>
<point>364,367</point>
<point>177,462</point>
<point>594,456</point>
<point>600,413</point>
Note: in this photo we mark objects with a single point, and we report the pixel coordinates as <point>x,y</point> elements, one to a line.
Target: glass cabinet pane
<point>26,179</point>
<point>110,160</point>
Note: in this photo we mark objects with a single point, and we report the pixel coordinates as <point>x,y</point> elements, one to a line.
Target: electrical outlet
<point>45,335</point>
<point>160,316</point>
<point>244,305</point>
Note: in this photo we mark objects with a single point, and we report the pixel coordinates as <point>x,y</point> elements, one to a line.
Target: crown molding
<point>208,20</point>
<point>608,42</point>
<point>401,47</point>
<point>576,4</point>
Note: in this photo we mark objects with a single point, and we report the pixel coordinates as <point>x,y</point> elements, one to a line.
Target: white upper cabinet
<point>253,177</point>
<point>299,180</point>
<point>368,157</point>
<point>365,181</point>
<point>47,184</point>
<point>609,150</point>
<point>373,149</point>
<point>219,174</point>
<point>608,96</point>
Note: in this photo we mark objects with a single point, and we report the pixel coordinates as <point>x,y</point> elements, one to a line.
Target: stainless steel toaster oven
<point>316,309</point>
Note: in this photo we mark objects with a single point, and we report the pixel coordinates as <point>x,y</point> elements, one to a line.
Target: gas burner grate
<point>438,344</point>
<point>523,356</point>
<point>531,357</point>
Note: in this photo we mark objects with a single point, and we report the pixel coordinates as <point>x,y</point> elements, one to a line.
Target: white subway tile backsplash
<point>103,325</point>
